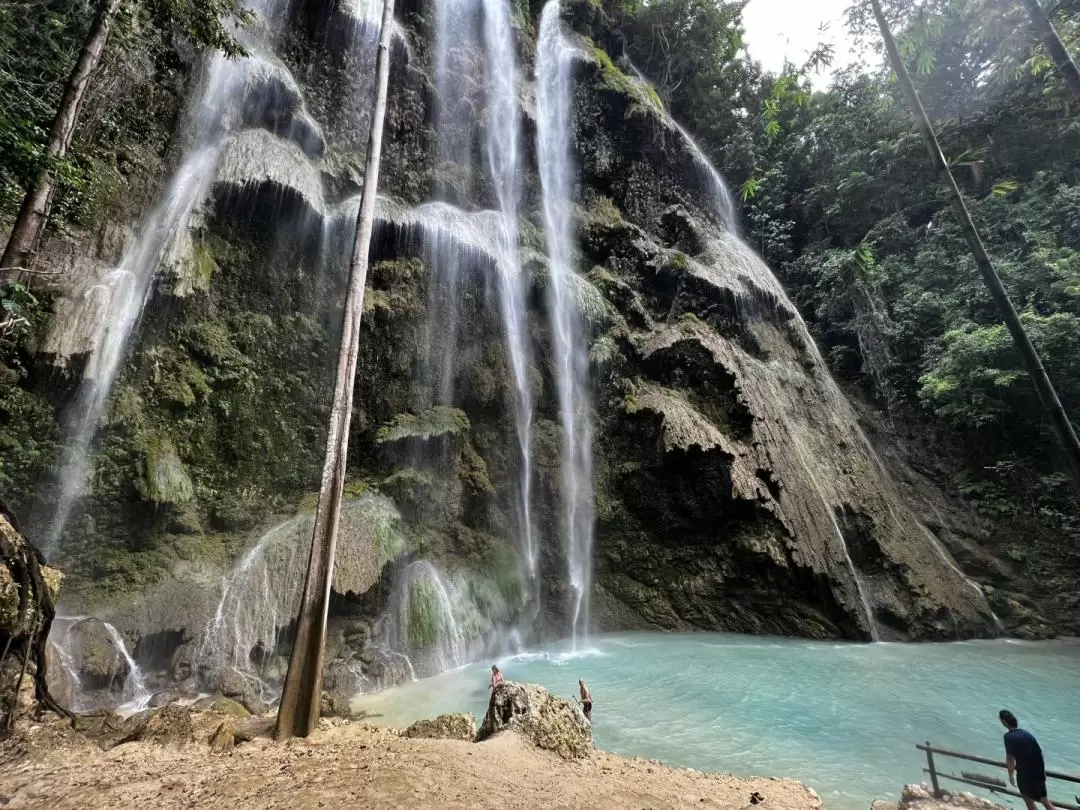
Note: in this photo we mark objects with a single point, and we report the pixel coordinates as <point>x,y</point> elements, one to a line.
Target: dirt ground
<point>346,764</point>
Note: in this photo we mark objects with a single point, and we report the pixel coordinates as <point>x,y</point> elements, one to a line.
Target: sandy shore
<point>347,764</point>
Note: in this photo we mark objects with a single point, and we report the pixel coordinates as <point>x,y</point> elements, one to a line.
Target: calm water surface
<point>843,718</point>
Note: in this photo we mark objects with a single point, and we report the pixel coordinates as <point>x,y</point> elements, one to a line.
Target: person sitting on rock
<point>1024,759</point>
<point>586,700</point>
<point>496,676</point>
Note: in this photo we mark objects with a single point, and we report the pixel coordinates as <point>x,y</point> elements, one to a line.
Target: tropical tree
<point>205,23</point>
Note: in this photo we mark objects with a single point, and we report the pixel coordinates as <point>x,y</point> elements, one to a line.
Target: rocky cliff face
<point>735,488</point>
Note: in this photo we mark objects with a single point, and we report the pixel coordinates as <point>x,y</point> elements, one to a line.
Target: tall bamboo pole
<point>1062,60</point>
<point>298,713</point>
<point>1039,378</point>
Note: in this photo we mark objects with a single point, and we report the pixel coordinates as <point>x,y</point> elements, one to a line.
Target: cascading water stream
<point>570,345</point>
<point>456,38</point>
<point>127,288</point>
<point>422,616</point>
<point>504,162</point>
<point>258,598</point>
<point>134,693</point>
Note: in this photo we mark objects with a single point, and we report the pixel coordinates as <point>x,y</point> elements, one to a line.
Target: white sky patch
<point>791,29</point>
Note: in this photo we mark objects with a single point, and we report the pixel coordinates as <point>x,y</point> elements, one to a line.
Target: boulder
<point>221,705</point>
<point>224,739</point>
<point>95,657</point>
<point>444,727</point>
<point>243,688</point>
<point>331,706</point>
<point>170,725</point>
<point>61,680</point>
<point>548,722</point>
<point>919,797</point>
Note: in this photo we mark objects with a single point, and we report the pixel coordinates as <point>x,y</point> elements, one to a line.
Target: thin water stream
<point>570,347</point>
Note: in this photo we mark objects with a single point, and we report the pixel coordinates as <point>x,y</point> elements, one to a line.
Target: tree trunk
<point>1045,29</point>
<point>34,213</point>
<point>299,710</point>
<point>1039,378</point>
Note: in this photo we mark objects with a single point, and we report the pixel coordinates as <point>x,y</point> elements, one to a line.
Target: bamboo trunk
<point>1039,378</point>
<point>33,215</point>
<point>1049,36</point>
<point>298,713</point>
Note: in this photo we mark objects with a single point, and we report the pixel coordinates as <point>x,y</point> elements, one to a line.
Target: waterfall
<point>456,22</point>
<point>134,693</point>
<point>125,290</point>
<point>119,300</point>
<point>422,617</point>
<point>259,597</point>
<point>569,345</point>
<point>504,158</point>
<point>741,262</point>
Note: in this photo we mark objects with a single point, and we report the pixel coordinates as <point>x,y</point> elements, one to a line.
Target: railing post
<point>933,771</point>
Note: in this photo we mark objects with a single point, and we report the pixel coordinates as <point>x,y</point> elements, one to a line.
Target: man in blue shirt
<point>1024,759</point>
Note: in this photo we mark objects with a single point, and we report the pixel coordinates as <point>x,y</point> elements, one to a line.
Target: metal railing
<point>991,783</point>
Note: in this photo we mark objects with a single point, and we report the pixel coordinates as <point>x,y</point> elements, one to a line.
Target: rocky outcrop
<point>444,727</point>
<point>93,655</point>
<point>919,797</point>
<point>548,722</point>
<point>169,725</point>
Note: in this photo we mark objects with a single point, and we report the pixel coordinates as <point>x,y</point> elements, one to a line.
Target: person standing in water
<point>1024,759</point>
<point>586,700</point>
<point>496,676</point>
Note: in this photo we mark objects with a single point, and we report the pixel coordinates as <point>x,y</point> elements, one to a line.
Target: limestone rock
<point>222,705</point>
<point>95,657</point>
<point>224,739</point>
<point>332,706</point>
<point>240,687</point>
<point>548,722</point>
<point>919,797</point>
<point>444,727</point>
<point>170,725</point>
<point>253,727</point>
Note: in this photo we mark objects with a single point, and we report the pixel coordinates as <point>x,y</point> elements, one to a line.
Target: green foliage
<point>979,380</point>
<point>17,310</point>
<point>122,118</point>
<point>675,261</point>
<point>164,480</point>
<point>644,94</point>
<point>606,211</point>
<point>428,621</point>
<point>438,421</point>
<point>387,539</point>
<point>690,50</point>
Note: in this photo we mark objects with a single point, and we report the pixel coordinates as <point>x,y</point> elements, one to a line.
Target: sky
<point>792,28</point>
